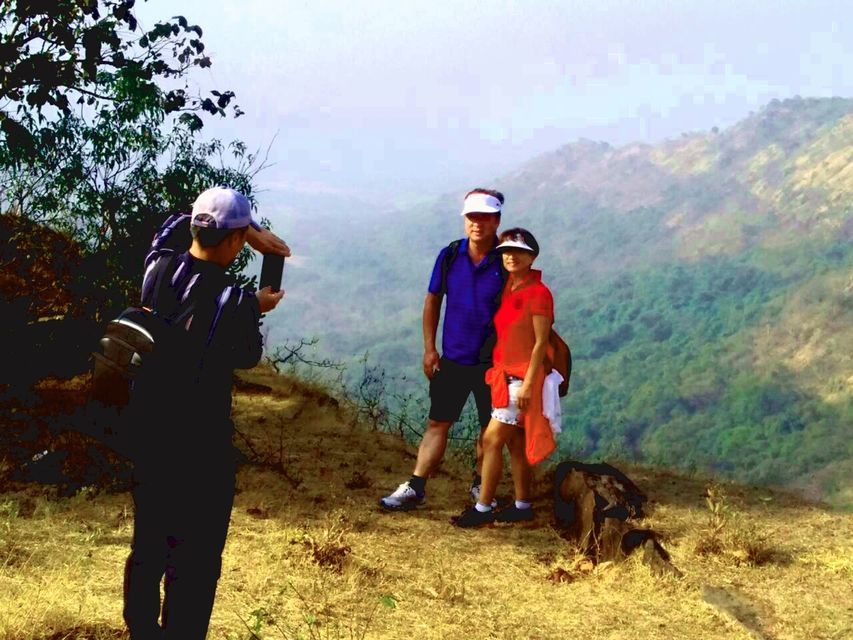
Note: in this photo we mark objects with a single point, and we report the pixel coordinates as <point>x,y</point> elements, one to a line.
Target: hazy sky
<point>415,98</point>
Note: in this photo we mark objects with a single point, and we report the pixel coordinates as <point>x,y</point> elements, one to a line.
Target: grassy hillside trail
<point>310,555</point>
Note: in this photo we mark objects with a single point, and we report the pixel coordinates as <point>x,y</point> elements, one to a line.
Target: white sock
<point>522,504</point>
<point>482,508</point>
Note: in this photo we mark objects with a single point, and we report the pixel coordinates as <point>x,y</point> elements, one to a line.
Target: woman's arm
<point>541,330</point>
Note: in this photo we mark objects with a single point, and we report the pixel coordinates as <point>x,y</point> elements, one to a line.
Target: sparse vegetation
<point>317,557</point>
<point>730,534</point>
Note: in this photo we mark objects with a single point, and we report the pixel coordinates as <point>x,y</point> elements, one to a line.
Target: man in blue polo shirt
<point>472,280</point>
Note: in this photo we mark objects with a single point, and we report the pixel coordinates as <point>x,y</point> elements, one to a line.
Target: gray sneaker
<point>403,499</point>
<point>474,491</point>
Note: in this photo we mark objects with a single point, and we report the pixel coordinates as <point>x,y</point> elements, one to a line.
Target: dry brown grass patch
<point>412,575</point>
<point>568,564</point>
<point>88,632</point>
<point>327,544</point>
<point>359,480</point>
<point>730,535</point>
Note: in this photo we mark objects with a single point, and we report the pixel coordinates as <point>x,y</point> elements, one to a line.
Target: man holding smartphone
<point>180,412</point>
<point>470,274</point>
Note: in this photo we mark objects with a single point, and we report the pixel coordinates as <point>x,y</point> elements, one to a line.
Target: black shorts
<point>450,387</point>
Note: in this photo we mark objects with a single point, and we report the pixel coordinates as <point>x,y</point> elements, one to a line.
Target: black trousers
<point>181,517</point>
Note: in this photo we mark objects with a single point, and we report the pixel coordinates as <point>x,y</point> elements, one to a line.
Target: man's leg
<point>146,564</point>
<point>448,392</point>
<point>432,448</point>
<point>483,400</point>
<point>195,556</point>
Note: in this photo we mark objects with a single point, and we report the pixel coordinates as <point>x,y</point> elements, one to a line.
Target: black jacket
<point>184,397</point>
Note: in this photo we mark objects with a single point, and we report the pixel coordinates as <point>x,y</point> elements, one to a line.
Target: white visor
<point>516,243</point>
<point>481,203</point>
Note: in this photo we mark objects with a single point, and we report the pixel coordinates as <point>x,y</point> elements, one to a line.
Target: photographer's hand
<point>268,300</point>
<point>265,241</point>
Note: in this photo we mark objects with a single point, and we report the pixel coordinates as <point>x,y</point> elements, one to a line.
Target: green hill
<point>705,285</point>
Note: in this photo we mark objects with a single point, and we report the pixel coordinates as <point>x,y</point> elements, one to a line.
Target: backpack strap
<point>163,234</point>
<point>447,260</point>
<point>221,301</point>
<point>167,270</point>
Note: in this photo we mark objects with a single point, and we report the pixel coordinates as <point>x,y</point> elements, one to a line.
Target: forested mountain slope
<point>705,285</point>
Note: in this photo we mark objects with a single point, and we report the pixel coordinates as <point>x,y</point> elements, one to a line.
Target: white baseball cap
<point>222,208</point>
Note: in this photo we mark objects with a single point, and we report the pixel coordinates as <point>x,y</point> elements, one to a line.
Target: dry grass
<point>310,555</point>
<point>732,535</point>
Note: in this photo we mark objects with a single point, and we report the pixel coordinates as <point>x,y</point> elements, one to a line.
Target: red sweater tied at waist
<point>539,440</point>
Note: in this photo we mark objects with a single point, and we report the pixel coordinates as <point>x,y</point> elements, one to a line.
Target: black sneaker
<point>514,514</point>
<point>473,518</point>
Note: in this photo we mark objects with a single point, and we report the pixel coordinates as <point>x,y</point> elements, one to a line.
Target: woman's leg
<point>496,435</point>
<point>519,465</point>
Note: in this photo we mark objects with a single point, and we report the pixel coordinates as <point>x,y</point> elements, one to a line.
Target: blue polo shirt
<point>471,294</point>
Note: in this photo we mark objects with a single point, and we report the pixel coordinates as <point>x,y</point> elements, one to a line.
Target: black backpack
<point>141,339</point>
<point>128,355</point>
<point>130,342</point>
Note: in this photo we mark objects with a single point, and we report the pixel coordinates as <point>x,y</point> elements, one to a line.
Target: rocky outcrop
<point>597,506</point>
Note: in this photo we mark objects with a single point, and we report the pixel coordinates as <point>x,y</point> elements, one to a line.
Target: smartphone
<point>272,270</point>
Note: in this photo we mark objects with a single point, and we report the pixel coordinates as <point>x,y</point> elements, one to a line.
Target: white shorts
<point>509,413</point>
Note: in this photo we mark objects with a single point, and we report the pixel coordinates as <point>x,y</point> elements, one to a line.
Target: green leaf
<point>192,121</point>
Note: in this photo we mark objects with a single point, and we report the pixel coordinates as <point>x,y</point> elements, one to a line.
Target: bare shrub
<point>729,534</point>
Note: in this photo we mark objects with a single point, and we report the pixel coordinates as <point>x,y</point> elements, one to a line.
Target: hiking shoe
<point>474,491</point>
<point>473,518</point>
<point>403,499</point>
<point>514,514</point>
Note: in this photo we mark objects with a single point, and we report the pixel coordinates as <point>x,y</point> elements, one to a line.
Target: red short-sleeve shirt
<point>514,319</point>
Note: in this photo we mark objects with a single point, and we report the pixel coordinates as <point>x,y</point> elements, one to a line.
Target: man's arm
<point>432,311</point>
<point>246,341</point>
<point>264,301</point>
<point>265,241</point>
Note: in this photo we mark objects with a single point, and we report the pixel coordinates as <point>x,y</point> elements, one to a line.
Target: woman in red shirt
<point>522,323</point>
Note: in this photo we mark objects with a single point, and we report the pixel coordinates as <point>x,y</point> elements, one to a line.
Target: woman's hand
<point>522,398</point>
